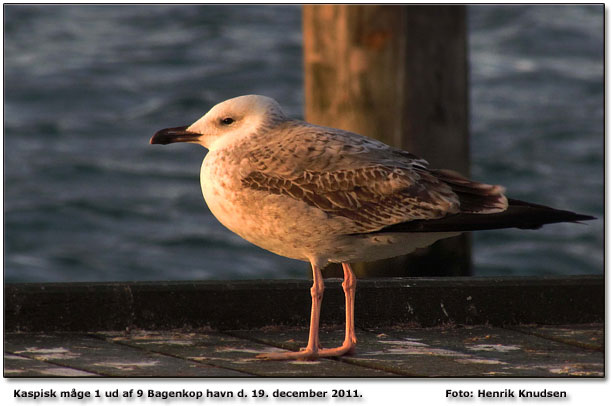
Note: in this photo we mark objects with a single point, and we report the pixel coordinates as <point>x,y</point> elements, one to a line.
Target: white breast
<point>274,222</point>
<point>216,184</point>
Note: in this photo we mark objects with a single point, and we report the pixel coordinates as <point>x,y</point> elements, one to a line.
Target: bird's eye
<point>227,121</point>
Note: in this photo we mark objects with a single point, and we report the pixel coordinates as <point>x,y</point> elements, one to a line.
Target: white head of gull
<point>324,195</point>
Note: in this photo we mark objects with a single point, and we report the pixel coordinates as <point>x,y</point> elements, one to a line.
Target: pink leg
<point>312,348</point>
<point>350,342</point>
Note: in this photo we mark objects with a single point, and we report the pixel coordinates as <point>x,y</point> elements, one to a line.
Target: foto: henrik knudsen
<point>506,393</point>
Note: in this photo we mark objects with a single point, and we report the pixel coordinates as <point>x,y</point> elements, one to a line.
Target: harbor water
<point>86,198</point>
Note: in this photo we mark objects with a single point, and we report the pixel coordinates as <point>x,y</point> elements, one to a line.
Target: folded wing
<point>370,183</point>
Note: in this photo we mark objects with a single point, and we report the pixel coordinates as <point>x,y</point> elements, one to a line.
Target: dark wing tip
<point>520,214</point>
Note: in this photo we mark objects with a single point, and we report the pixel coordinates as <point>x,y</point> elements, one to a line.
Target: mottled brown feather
<point>378,185</point>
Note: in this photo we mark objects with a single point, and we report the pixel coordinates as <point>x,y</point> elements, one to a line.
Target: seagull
<point>325,195</point>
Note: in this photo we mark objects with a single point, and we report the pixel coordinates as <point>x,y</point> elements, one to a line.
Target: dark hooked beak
<point>175,134</point>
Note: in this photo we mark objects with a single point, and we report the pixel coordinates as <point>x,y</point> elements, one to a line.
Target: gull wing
<point>366,181</point>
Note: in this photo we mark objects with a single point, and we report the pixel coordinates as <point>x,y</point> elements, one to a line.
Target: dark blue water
<point>87,199</point>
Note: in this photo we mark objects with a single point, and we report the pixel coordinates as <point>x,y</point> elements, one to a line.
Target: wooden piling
<point>398,74</point>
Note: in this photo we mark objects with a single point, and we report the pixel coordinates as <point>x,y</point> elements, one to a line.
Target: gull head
<point>226,123</point>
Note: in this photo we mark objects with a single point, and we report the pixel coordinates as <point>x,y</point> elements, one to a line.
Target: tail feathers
<point>475,197</point>
<point>519,214</point>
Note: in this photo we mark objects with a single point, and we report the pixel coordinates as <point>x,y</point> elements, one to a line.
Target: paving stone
<point>237,354</point>
<point>82,352</point>
<point>500,352</point>
<point>401,350</point>
<point>372,352</point>
<point>450,351</point>
<point>590,336</point>
<point>16,366</point>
